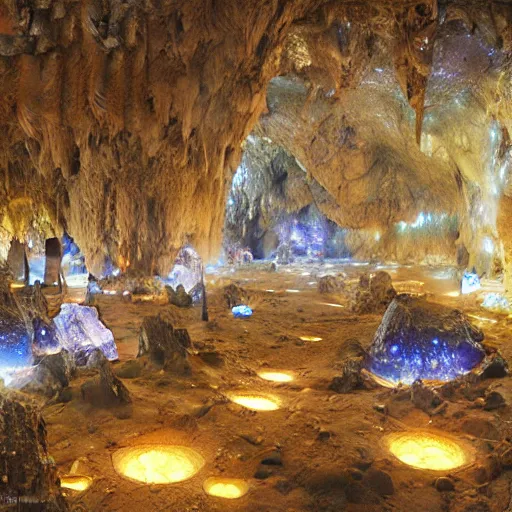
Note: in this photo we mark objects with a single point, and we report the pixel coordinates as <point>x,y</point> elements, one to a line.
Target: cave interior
<point>255,256</point>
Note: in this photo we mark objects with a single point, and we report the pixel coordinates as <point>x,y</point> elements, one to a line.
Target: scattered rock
<point>51,374</point>
<point>235,295</point>
<point>480,427</point>
<point>179,297</point>
<point>212,358</point>
<point>374,293</point>
<point>105,389</point>
<point>27,467</point>
<point>424,397</point>
<point>323,435</point>
<point>379,482</point>
<point>495,367</point>
<point>263,472</point>
<point>358,493</point>
<point>129,370</point>
<point>352,363</point>
<point>273,459</point>
<point>254,440</point>
<point>332,284</point>
<point>165,345</point>
<point>494,400</point>
<point>326,480</point>
<point>444,484</point>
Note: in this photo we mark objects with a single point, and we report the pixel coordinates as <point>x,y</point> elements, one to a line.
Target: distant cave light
<point>427,221</point>
<point>187,270</point>
<point>241,311</point>
<point>470,283</point>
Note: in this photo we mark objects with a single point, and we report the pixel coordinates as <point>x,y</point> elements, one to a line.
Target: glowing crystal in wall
<point>470,283</point>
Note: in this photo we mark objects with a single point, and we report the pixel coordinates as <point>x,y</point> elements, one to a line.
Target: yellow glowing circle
<point>229,488</point>
<point>275,376</point>
<point>310,338</point>
<point>255,402</point>
<point>157,464</point>
<point>75,482</point>
<point>427,451</point>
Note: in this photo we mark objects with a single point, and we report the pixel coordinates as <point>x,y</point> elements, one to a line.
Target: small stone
<point>262,473</point>
<point>273,459</point>
<point>129,370</point>
<point>323,435</point>
<point>444,484</point>
<point>66,395</point>
<point>356,474</point>
<point>382,408</point>
<point>255,441</point>
<point>379,482</point>
<point>494,400</point>
<point>480,427</point>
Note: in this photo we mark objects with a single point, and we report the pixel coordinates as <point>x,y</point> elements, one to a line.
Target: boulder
<point>373,294</point>
<point>419,340</point>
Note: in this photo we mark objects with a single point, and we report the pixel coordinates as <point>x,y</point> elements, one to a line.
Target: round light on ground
<point>427,451</point>
<point>75,482</point>
<point>292,291</point>
<point>229,488</point>
<point>310,338</point>
<point>275,375</point>
<point>255,402</point>
<point>157,464</point>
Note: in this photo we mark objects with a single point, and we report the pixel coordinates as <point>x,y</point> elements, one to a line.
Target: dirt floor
<point>329,450</point>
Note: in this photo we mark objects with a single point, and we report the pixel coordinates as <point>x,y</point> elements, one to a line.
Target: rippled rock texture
<point>423,340</point>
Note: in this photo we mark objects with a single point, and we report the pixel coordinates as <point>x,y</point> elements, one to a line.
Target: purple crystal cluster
<point>422,340</point>
<point>80,332</point>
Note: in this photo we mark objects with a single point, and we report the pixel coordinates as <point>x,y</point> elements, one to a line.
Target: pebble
<point>444,484</point>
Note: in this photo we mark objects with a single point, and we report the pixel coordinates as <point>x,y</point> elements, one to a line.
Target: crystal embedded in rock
<point>422,340</point>
<point>81,331</point>
<point>15,345</point>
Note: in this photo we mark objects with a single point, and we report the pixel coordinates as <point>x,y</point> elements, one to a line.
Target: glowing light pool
<point>157,464</point>
<point>229,488</point>
<point>424,450</point>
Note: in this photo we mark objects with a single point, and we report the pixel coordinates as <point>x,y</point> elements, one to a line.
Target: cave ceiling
<point>123,122</point>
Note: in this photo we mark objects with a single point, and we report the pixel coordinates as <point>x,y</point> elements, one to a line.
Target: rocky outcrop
<point>29,474</point>
<point>423,340</point>
<point>165,346</point>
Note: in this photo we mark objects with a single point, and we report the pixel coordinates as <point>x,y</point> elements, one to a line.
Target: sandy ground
<point>330,444</point>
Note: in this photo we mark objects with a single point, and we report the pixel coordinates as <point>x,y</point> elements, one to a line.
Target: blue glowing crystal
<point>422,340</point>
<point>470,283</point>
<point>15,345</point>
<point>241,311</point>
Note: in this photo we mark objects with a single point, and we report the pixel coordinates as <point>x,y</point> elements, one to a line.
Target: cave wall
<point>123,121</point>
